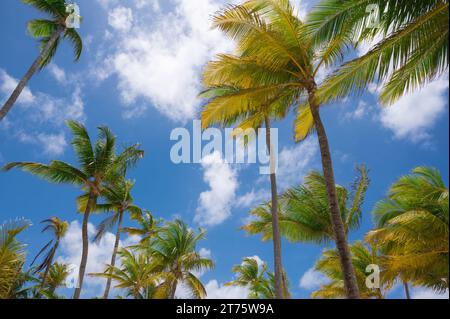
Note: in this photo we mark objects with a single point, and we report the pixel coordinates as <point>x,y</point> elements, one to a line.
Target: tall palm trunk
<point>50,262</point>
<point>348,270</point>
<point>275,220</point>
<point>26,78</point>
<point>113,258</point>
<point>85,238</point>
<point>173,289</point>
<point>407,292</point>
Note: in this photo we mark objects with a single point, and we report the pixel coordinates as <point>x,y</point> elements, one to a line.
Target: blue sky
<point>140,74</point>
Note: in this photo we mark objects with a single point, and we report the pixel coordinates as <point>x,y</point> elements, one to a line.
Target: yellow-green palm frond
<point>413,229</point>
<point>416,49</point>
<point>362,257</point>
<point>304,123</point>
<point>12,256</point>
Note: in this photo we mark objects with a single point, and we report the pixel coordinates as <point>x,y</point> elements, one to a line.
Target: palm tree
<point>50,32</point>
<point>147,230</point>
<point>99,165</point>
<point>59,229</point>
<point>12,257</point>
<point>276,66</point>
<point>362,257</point>
<point>55,278</point>
<point>118,200</point>
<point>136,275</point>
<point>413,231</point>
<point>175,249</point>
<point>305,212</point>
<point>412,52</point>
<point>256,278</point>
<point>254,119</point>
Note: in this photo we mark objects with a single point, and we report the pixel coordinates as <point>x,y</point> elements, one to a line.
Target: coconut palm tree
<point>250,274</point>
<point>276,66</point>
<point>147,230</point>
<point>413,49</point>
<point>50,32</point>
<point>413,231</point>
<point>59,229</point>
<point>175,249</point>
<point>305,212</point>
<point>117,199</point>
<point>12,257</point>
<point>362,257</point>
<point>254,119</point>
<point>55,278</point>
<point>99,165</point>
<point>136,275</point>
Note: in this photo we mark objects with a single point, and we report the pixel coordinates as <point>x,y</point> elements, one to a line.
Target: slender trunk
<point>113,258</point>
<point>275,220</point>
<point>351,285</point>
<point>85,238</point>
<point>47,269</point>
<point>407,292</point>
<point>34,67</point>
<point>173,289</point>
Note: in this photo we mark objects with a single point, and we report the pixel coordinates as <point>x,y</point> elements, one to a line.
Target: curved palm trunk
<point>113,258</point>
<point>85,237</point>
<point>275,221</point>
<point>348,270</point>
<point>47,269</point>
<point>26,78</point>
<point>407,292</point>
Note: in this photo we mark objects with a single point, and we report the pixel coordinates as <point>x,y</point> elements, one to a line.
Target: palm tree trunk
<point>47,269</point>
<point>85,238</point>
<point>26,78</point>
<point>407,292</point>
<point>113,258</point>
<point>340,235</point>
<point>173,290</point>
<point>275,220</point>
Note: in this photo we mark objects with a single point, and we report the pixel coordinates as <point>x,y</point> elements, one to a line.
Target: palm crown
<point>413,51</point>
<point>45,28</point>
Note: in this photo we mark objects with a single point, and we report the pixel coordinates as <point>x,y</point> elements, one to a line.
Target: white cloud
<point>423,293</point>
<point>312,280</point>
<point>8,85</point>
<point>38,117</point>
<point>254,197</point>
<point>53,144</point>
<point>99,255</point>
<point>58,73</point>
<point>159,60</point>
<point>121,19</point>
<point>215,205</point>
<point>295,162</point>
<point>357,114</point>
<point>220,291</point>
<point>415,114</point>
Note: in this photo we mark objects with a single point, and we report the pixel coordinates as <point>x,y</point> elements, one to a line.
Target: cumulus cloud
<point>121,19</point>
<point>38,118</point>
<point>357,114</point>
<point>215,204</point>
<point>312,280</point>
<point>295,162</point>
<point>7,86</point>
<point>414,115</point>
<point>423,293</point>
<point>99,255</point>
<point>216,290</point>
<point>159,59</point>
<point>58,73</point>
